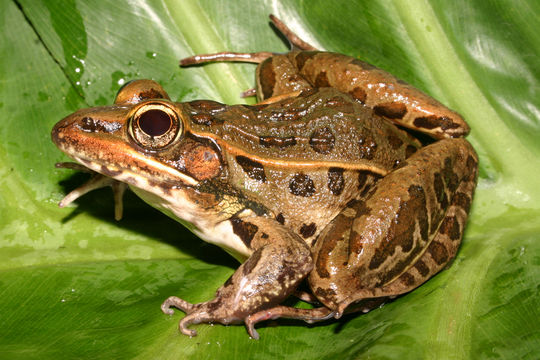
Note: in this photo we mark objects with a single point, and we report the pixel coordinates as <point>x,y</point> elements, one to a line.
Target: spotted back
<point>305,157</point>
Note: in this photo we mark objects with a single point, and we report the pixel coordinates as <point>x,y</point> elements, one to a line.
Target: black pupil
<point>155,122</point>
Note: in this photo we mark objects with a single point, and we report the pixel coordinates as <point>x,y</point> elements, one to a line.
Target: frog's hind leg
<point>294,40</point>
<point>256,57</point>
<point>308,315</point>
<point>407,229</point>
<point>226,56</point>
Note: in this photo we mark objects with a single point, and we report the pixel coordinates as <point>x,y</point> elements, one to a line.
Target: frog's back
<point>305,157</point>
<point>320,129</point>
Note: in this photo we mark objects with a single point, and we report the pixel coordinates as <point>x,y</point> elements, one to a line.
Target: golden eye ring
<point>154,125</point>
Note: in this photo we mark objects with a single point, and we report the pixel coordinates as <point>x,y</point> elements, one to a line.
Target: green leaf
<point>76,284</point>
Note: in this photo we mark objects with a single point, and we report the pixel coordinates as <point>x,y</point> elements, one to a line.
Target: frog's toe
<point>176,302</point>
<point>193,318</point>
<point>308,315</point>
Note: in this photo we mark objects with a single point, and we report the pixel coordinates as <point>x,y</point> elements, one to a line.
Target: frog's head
<point>143,140</point>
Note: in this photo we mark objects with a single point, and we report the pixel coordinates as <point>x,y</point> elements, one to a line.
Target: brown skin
<point>316,182</point>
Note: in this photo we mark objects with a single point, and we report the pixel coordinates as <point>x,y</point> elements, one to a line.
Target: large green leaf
<point>76,284</point>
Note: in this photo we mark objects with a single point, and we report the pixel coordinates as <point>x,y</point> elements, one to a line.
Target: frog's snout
<point>58,132</point>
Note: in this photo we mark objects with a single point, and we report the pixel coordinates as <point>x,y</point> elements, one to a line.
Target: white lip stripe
<point>96,166</point>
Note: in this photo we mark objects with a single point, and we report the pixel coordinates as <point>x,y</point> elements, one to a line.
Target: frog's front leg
<point>279,262</point>
<point>407,229</point>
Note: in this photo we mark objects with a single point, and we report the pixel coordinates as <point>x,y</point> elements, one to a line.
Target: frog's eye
<point>154,125</point>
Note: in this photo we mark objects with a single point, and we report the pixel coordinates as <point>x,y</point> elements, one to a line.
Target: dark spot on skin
<point>301,185</point>
<point>251,262</point>
<point>151,94</point>
<point>304,56</point>
<point>438,252</point>
<point>280,218</point>
<point>336,182</point>
<point>450,227</point>
<point>322,80</point>
<point>368,187</point>
<point>364,65</point>
<point>208,106</point>
<point>322,140</point>
<point>88,124</point>
<point>401,231</point>
<point>433,121</point>
<point>407,279</point>
<point>394,141</point>
<point>253,169</point>
<point>367,148</point>
<point>409,150</point>
<point>472,167</point>
<point>393,110</point>
<point>339,228</point>
<point>286,276</point>
<point>244,230</point>
<point>362,178</point>
<point>450,178</point>
<point>268,141</point>
<point>471,163</point>
<point>362,209</point>
<point>422,268</point>
<point>327,294</point>
<point>264,235</point>
<point>202,119</point>
<point>462,200</point>
<point>308,230</point>
<point>213,305</point>
<point>359,94</point>
<point>267,78</point>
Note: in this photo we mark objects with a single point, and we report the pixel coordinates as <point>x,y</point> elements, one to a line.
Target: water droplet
<point>79,60</point>
<point>77,70</point>
<point>121,81</point>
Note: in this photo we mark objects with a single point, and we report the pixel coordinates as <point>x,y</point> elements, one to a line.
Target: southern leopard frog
<point>315,182</point>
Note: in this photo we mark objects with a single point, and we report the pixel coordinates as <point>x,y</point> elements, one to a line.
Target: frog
<point>342,185</point>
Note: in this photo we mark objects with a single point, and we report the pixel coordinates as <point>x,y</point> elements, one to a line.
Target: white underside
<point>180,209</point>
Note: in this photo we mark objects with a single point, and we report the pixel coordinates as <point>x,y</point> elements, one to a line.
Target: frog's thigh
<point>278,76</point>
<point>404,232</point>
<point>279,262</point>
